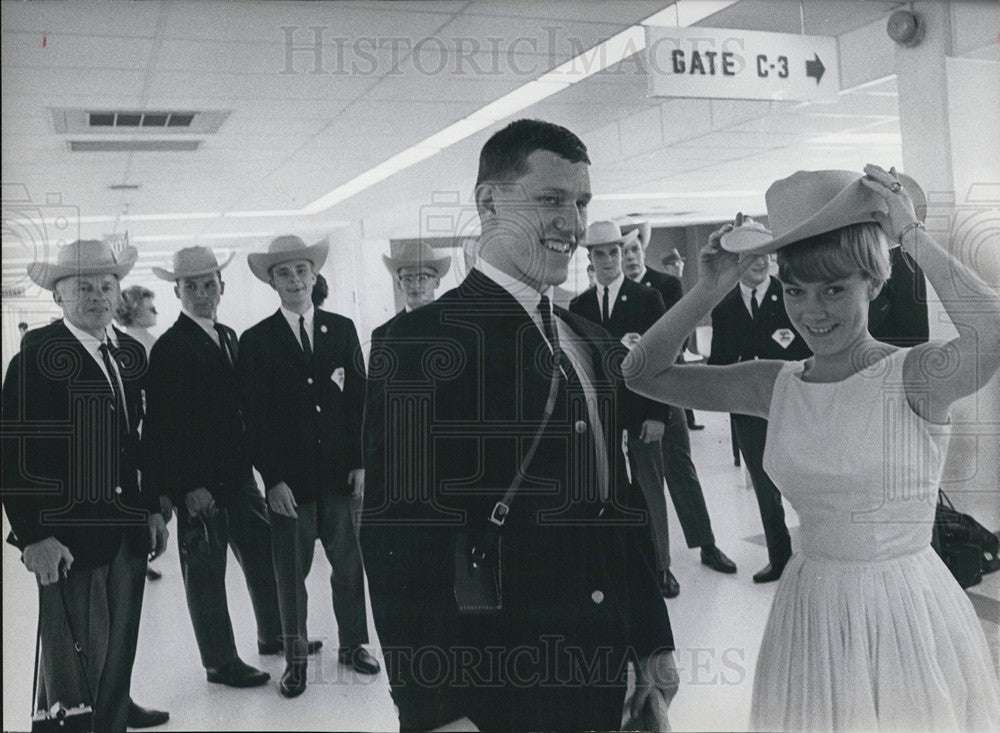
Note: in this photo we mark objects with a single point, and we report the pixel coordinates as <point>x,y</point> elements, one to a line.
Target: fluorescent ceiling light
<point>687,12</point>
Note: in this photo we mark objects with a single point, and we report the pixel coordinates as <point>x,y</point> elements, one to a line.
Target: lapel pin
<point>773,296</point>
<point>624,298</point>
<point>322,329</point>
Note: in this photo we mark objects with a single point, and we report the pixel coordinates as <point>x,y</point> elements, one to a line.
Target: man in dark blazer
<point>303,381</point>
<point>679,470</point>
<point>463,390</point>
<point>626,309</point>
<point>195,453</point>
<point>71,412</point>
<point>751,323</point>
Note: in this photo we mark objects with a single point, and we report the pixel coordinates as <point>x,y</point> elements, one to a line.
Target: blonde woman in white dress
<point>868,629</point>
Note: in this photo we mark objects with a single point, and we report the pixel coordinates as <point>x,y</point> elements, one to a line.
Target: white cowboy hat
<point>284,248</point>
<point>83,257</point>
<point>603,232</point>
<point>192,262</point>
<point>416,253</point>
<point>808,203</point>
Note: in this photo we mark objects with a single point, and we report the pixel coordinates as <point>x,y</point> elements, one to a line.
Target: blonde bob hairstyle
<point>834,255</point>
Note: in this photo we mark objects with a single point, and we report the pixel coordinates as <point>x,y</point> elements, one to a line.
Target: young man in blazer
<point>195,453</point>
<point>751,323</point>
<point>460,406</point>
<point>72,406</point>
<point>303,383</point>
<point>679,470</point>
<point>626,309</point>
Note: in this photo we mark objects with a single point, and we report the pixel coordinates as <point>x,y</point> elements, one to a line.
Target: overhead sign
<point>722,63</point>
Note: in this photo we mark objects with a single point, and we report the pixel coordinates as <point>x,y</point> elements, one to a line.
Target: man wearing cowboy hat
<point>194,452</point>
<point>303,385</point>
<point>626,309</point>
<point>416,273</point>
<point>751,323</point>
<point>72,407</point>
<point>679,470</point>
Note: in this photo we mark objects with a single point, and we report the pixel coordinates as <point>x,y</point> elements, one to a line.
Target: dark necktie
<point>227,349</point>
<point>753,304</point>
<point>304,337</point>
<point>116,386</point>
<point>552,334</point>
<point>605,316</point>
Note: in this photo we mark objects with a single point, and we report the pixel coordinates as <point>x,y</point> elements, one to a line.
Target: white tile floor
<point>717,620</point>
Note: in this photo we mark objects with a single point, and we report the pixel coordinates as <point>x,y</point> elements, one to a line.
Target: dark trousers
<point>104,604</point>
<point>751,433</point>
<point>205,580</point>
<point>292,545</point>
<point>646,464</point>
<point>682,482</point>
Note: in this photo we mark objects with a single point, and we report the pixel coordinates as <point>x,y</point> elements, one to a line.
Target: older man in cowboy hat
<point>71,409</point>
<point>304,385</point>
<point>195,452</point>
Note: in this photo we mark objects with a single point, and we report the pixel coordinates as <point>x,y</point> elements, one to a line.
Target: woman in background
<point>868,630</point>
<point>137,314</point>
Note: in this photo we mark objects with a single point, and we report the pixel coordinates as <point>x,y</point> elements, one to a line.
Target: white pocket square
<point>338,377</point>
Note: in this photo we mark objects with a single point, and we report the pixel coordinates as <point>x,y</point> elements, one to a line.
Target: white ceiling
<point>293,137</point>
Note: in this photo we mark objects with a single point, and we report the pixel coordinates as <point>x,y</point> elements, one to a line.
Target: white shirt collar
<point>527,296</point>
<point>639,278</point>
<point>293,322</point>
<point>206,323</point>
<point>613,287</point>
<point>93,345</point>
<point>759,292</point>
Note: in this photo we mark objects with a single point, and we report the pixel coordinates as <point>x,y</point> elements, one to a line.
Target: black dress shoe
<point>358,658</point>
<point>695,426</point>
<point>715,559</point>
<point>293,681</point>
<point>153,575</point>
<point>277,647</point>
<point>140,717</point>
<point>669,587</point>
<point>237,673</point>
<point>770,572</point>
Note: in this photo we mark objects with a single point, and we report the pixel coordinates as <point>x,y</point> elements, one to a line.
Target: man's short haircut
<point>855,248</point>
<point>505,155</point>
<point>131,301</point>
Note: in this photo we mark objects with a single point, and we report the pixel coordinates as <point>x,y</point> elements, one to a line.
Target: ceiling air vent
<point>117,122</point>
<point>133,146</point>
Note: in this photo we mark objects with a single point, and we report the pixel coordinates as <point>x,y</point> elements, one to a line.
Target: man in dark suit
<point>679,470</point>
<point>303,384</point>
<point>195,453</point>
<point>71,412</point>
<point>464,389</point>
<point>416,274</point>
<point>626,309</point>
<point>751,323</point>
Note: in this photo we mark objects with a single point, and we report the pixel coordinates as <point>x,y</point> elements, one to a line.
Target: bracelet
<point>908,228</point>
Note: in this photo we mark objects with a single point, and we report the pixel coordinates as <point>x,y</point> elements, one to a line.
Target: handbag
<point>967,548</point>
<point>478,560</point>
<point>79,719</point>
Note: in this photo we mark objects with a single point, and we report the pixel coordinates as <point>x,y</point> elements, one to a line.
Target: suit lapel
<point>285,339</point>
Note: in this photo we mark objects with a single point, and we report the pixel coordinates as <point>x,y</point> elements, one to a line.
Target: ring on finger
<point>895,186</point>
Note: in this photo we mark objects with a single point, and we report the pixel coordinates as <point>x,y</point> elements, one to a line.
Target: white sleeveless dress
<point>868,630</point>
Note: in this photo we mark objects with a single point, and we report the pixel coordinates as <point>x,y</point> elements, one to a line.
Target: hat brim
<point>855,204</point>
<point>441,264</point>
<point>174,276</point>
<point>46,275</point>
<point>743,240</point>
<point>621,241</point>
<point>262,262</point>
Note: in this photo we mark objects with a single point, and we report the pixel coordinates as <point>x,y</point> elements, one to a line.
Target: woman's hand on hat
<point>719,269</point>
<point>900,217</point>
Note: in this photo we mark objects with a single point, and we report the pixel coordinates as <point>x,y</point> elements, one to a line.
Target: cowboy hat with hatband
<point>416,253</point>
<point>806,204</point>
<point>83,257</point>
<point>192,262</point>
<point>284,248</point>
<point>603,232</point>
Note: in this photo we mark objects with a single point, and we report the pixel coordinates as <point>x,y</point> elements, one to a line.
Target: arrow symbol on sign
<point>815,68</point>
